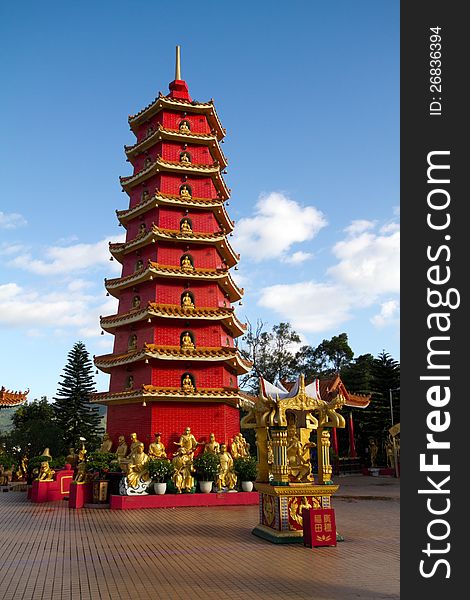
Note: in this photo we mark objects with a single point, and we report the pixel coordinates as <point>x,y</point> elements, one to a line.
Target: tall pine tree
<point>75,415</point>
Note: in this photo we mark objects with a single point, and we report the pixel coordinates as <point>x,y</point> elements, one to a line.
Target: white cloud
<point>369,263</point>
<point>308,306</point>
<point>67,259</point>
<point>359,226</point>
<point>297,258</point>
<point>11,220</point>
<point>278,222</point>
<point>389,312</point>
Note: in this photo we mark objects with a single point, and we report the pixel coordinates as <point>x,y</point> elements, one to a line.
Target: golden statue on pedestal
<point>45,472</point>
<point>186,301</point>
<point>185,193</point>
<point>156,448</point>
<point>72,458</point>
<point>184,127</point>
<point>182,478</point>
<point>185,226</point>
<point>187,342</point>
<point>136,302</point>
<point>185,158</point>
<point>135,443</point>
<point>137,473</point>
<point>186,263</point>
<point>188,442</point>
<point>226,477</point>
<point>188,387</point>
<point>121,450</point>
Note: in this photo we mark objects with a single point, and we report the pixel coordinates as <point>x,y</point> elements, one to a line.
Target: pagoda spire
<point>178,64</point>
<point>179,87</point>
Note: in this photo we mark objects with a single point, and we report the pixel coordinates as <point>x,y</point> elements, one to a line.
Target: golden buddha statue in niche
<point>136,302</point>
<point>184,127</point>
<point>185,227</point>
<point>130,383</point>
<point>156,448</point>
<point>187,386</point>
<point>185,158</point>
<point>212,446</point>
<point>139,265</point>
<point>185,193</point>
<point>145,195</point>
<point>226,477</point>
<point>132,343</point>
<point>142,228</point>
<point>187,342</point>
<point>186,263</point>
<point>186,301</point>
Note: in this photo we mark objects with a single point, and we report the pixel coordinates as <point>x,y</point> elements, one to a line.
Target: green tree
<point>74,413</point>
<point>34,429</point>
<point>333,355</point>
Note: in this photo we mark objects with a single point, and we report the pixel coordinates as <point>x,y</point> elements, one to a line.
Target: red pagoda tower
<point>174,362</point>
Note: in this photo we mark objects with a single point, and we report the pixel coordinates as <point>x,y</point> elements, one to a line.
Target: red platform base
<point>177,500</point>
<point>80,494</point>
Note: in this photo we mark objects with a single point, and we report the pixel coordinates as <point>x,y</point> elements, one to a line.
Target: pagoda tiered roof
<point>224,314</point>
<point>222,277</point>
<point>162,133</point>
<point>147,237</point>
<point>228,355</point>
<point>233,397</point>
<point>190,106</point>
<point>215,205</point>
<point>158,165</point>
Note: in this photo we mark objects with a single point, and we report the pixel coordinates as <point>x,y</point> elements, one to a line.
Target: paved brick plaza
<point>49,551</point>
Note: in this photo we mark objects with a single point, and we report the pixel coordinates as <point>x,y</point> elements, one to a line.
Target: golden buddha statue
<point>72,458</point>
<point>45,472</point>
<point>212,446</point>
<point>188,442</point>
<point>130,383</point>
<point>139,265</point>
<point>243,445</point>
<point>186,263</point>
<point>226,477</point>
<point>185,227</point>
<point>234,448</point>
<point>136,302</point>
<point>145,195</point>
<point>298,458</point>
<point>121,450</point>
<point>188,386</point>
<point>142,228</point>
<point>184,192</point>
<point>186,301</point>
<point>186,342</point>
<point>156,448</point>
<point>132,343</point>
<point>184,127</point>
<point>82,451</point>
<point>81,476</point>
<point>134,445</point>
<point>185,158</point>
<point>107,443</point>
<point>137,473</point>
<point>182,477</point>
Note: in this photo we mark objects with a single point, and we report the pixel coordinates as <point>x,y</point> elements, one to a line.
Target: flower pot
<point>160,488</point>
<point>205,487</point>
<point>247,486</point>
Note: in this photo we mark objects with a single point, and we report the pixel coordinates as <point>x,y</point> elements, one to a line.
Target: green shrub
<point>99,463</point>
<point>160,469</point>
<point>206,466</point>
<point>245,467</point>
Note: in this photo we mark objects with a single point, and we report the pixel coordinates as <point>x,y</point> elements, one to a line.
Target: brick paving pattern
<point>50,552</point>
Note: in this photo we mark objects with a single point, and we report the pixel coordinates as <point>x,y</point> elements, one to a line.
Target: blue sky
<point>309,94</point>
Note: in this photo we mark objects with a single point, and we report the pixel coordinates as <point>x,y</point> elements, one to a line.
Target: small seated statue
<point>184,127</point>
<point>185,227</point>
<point>212,446</point>
<point>139,265</point>
<point>186,301</point>
<point>156,448</point>
<point>107,443</point>
<point>45,472</point>
<point>142,228</point>
<point>130,383</point>
<point>132,343</point>
<point>184,192</point>
<point>186,263</point>
<point>185,158</point>
<point>187,342</point>
<point>188,386</point>
<point>226,477</point>
<point>136,302</point>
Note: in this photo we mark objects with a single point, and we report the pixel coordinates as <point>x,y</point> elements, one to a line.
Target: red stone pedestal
<point>80,494</point>
<point>176,500</point>
<point>40,490</point>
<point>319,527</point>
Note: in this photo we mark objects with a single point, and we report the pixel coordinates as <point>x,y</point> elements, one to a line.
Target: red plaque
<point>319,527</point>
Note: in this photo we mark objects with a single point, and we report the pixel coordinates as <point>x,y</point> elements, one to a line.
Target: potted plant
<point>246,469</point>
<point>98,465</point>
<point>207,467</point>
<point>160,471</point>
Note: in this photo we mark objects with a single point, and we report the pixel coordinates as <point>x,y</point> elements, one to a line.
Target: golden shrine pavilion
<point>174,360</point>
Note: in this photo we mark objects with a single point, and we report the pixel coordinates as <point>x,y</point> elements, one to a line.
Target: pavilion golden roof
<point>9,398</point>
<point>189,106</point>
